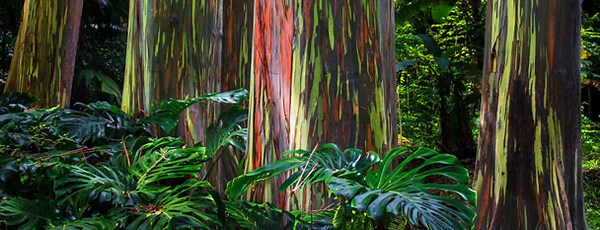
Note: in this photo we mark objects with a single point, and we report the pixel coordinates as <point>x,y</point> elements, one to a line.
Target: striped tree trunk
<point>528,173</point>
<point>323,71</point>
<point>174,51</point>
<point>237,39</point>
<point>44,55</point>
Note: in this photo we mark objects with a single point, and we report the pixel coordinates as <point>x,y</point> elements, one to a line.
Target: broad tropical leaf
<point>27,214</point>
<point>107,183</point>
<point>166,113</point>
<point>403,190</point>
<point>253,216</point>
<point>319,165</point>
<point>228,131</point>
<point>88,223</point>
<point>182,206</point>
<point>107,84</point>
<point>99,120</point>
<point>383,189</point>
<point>319,221</point>
<point>166,159</point>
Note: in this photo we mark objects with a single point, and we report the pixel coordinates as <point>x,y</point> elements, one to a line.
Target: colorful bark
<point>44,55</point>
<point>323,71</point>
<point>174,51</point>
<point>529,159</point>
<point>237,39</point>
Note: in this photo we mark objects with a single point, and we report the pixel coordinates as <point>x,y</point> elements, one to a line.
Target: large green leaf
<point>408,11</point>
<point>106,183</point>
<point>181,206</point>
<point>165,114</point>
<point>99,120</point>
<point>240,184</point>
<point>227,131</point>
<point>107,84</point>
<point>27,214</point>
<point>166,159</point>
<point>311,166</point>
<point>253,216</point>
<point>440,12</point>
<point>88,223</point>
<point>402,190</point>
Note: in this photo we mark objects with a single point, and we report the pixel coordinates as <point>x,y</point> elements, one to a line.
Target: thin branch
<point>301,179</point>
<point>126,153</point>
<point>83,150</point>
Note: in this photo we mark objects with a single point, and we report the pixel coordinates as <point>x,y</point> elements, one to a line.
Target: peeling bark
<point>323,71</point>
<point>44,55</point>
<point>528,174</point>
<point>174,51</point>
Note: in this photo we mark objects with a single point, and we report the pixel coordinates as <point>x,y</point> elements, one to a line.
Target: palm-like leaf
<point>99,120</point>
<point>104,182</point>
<point>402,190</point>
<point>142,190</point>
<point>163,160</point>
<point>253,216</point>
<point>318,165</point>
<point>88,223</point>
<point>182,206</point>
<point>27,214</point>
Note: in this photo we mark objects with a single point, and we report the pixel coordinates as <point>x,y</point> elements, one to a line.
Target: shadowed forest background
<point>115,154</point>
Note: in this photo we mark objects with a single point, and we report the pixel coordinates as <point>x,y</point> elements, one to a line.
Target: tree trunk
<point>44,55</point>
<point>174,51</point>
<point>237,38</point>
<point>323,71</point>
<point>529,156</point>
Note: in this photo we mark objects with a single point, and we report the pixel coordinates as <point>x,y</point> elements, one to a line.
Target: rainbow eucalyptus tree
<point>174,51</point>
<point>44,57</point>
<point>528,173</point>
<point>235,72</point>
<point>323,71</point>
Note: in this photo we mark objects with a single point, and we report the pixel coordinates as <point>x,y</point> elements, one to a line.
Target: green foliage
<point>438,77</point>
<point>166,160</point>
<point>316,166</point>
<point>134,197</point>
<point>100,58</point>
<point>590,36</point>
<point>165,114</point>
<point>16,102</point>
<point>590,130</point>
<point>591,185</point>
<point>99,122</point>
<point>374,187</point>
<point>88,223</point>
<point>252,216</point>
<point>107,85</point>
<point>590,137</point>
<point>111,174</point>
<point>28,214</point>
<point>228,131</point>
<point>402,190</point>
